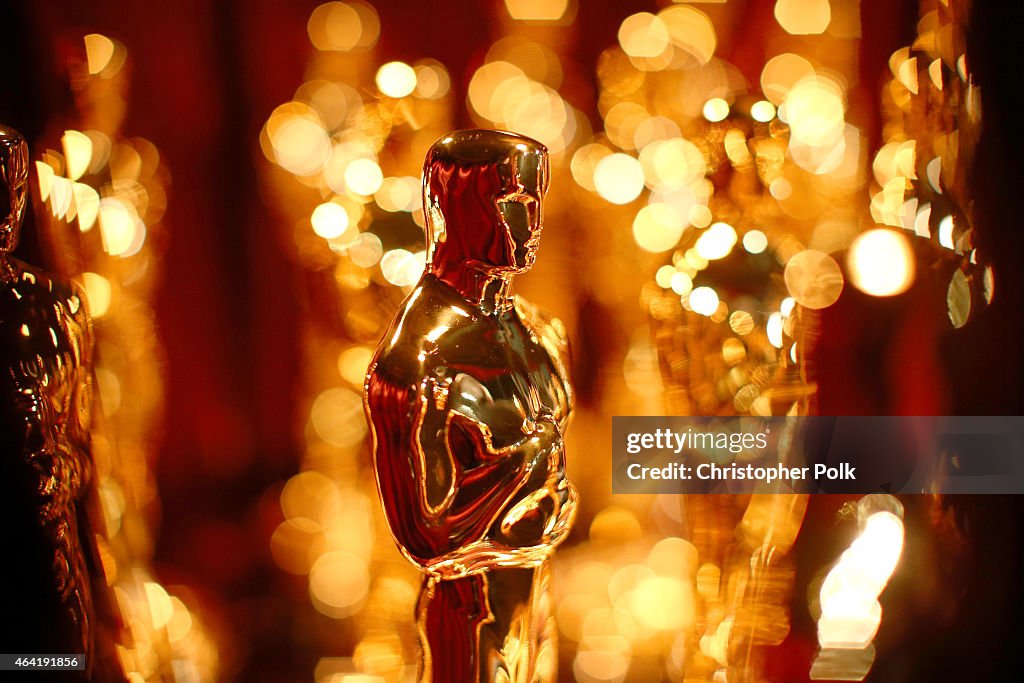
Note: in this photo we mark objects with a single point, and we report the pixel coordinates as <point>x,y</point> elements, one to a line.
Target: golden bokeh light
<point>781,73</point>
<point>363,176</point>
<point>906,73</point>
<point>704,300</point>
<point>110,390</point>
<point>774,329</point>
<point>539,112</point>
<point>663,603</point>
<point>895,159</point>
<point>298,141</point>
<point>399,194</point>
<point>329,220</point>
<point>643,35</point>
<point>352,364</point>
<point>120,227</point>
<point>98,293</point>
<point>599,665</point>
<point>762,111</point>
<point>342,26</point>
<point>655,129</point>
<point>946,232</point>
<point>837,158</point>
<point>126,163</point>
<point>881,263</point>
<point>311,496</point>
<point>672,163</point>
<point>741,322</point>
<point>691,31</point>
<point>366,251</point>
<point>934,172</point>
<point>293,545</point>
<point>737,149</point>
<point>486,83</point>
<point>87,201</point>
<point>958,299</point>
<point>663,276</point>
<point>686,200</point>
<point>537,10</point>
<point>501,94</point>
<point>716,109</point>
<point>103,146</point>
<point>160,606</point>
<point>733,351</point>
<point>700,216</point>
<point>781,189</point>
<point>338,583</point>
<point>619,178</point>
<point>396,79</point>
<point>62,198</point>
<point>658,228</point>
<point>180,623</point>
<point>432,79</point>
<point>716,242</point>
<point>45,177</point>
<point>536,60</point>
<point>681,283</point>
<point>99,51</point>
<point>583,165</point>
<point>833,664</point>
<point>694,260</point>
<point>77,153</point>
<point>813,279</point>
<point>850,611</point>
<point>755,241</point>
<point>814,110</point>
<point>402,268</point>
<point>335,102</point>
<point>337,417</point>
<point>622,122</point>
<point>803,17</point>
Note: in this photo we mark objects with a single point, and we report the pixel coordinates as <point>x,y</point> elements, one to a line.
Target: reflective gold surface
<point>468,397</point>
<point>13,192</point>
<point>46,401</point>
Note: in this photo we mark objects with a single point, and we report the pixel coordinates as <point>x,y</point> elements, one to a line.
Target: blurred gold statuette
<point>46,466</point>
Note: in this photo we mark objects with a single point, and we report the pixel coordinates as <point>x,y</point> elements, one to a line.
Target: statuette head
<point>13,186</point>
<point>483,193</point>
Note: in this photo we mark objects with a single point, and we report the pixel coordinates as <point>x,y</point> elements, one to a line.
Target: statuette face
<point>468,398</point>
<point>13,186</point>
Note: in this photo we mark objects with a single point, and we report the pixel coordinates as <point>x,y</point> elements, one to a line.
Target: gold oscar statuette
<point>468,398</point>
